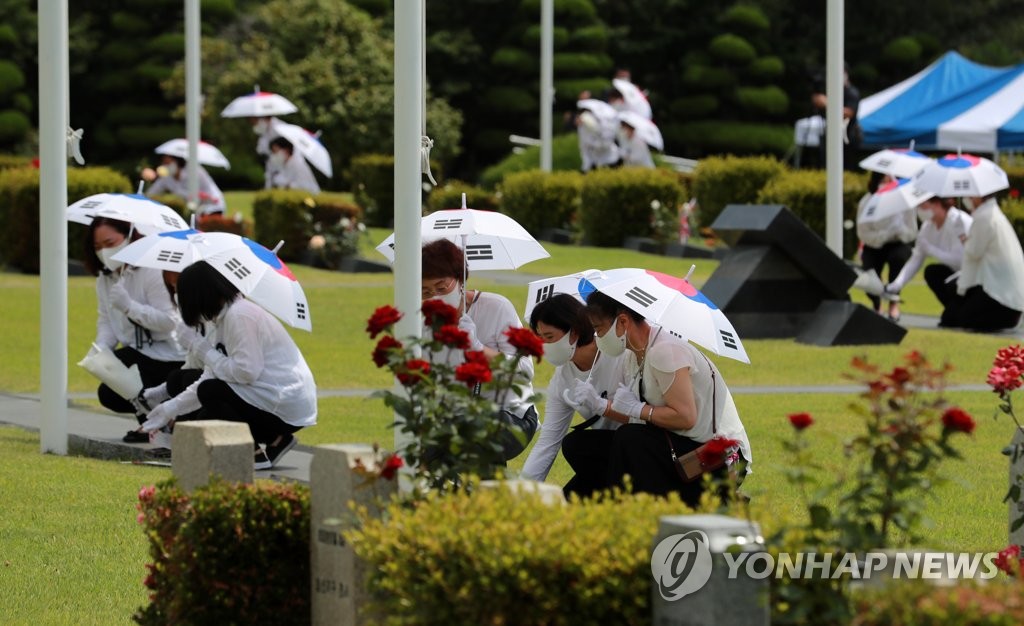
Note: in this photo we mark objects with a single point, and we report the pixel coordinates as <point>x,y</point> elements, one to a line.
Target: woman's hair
<point>605,307</point>
<point>945,203</point>
<point>874,181</point>
<point>284,144</point>
<point>565,313</point>
<point>203,293</point>
<point>443,259</point>
<point>89,258</point>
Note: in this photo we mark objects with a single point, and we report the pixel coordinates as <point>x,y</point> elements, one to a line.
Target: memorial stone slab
<point>207,448</point>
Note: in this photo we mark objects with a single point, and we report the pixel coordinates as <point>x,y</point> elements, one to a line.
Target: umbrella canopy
<point>307,144</point>
<point>898,162</point>
<point>893,198</point>
<point>149,216</point>
<point>259,104</point>
<point>961,175</point>
<point>671,302</point>
<point>257,272</point>
<point>635,99</point>
<point>644,127</point>
<point>492,241</point>
<point>603,111</point>
<point>208,154</point>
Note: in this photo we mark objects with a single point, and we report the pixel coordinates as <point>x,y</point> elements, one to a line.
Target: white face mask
<point>105,253</point>
<point>924,215</point>
<point>172,168</point>
<point>610,343</point>
<point>453,299</point>
<point>559,352</point>
<point>969,204</point>
<point>261,126</point>
<point>278,158</point>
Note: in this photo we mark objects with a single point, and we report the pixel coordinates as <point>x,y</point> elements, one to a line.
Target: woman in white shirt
<point>134,311</point>
<point>886,242</point>
<point>172,178</point>
<point>561,321</point>
<point>990,289</point>
<point>255,373</point>
<point>290,170</point>
<point>674,397</point>
<point>486,317</point>
<point>634,150</point>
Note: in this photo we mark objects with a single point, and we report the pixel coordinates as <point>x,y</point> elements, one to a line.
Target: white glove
<point>119,297</point>
<point>626,402</point>
<point>159,417</point>
<point>891,292</point>
<point>156,395</point>
<point>587,400</point>
<point>187,336</point>
<point>467,324</point>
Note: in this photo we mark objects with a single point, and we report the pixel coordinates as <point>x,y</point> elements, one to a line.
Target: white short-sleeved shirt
<point>149,324</point>
<point>558,414</point>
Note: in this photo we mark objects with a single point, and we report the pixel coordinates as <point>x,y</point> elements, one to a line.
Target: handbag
<point>692,465</point>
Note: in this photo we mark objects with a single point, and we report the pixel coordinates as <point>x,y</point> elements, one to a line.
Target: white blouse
<point>993,258</point>
<point>148,326</point>
<point>943,243</point>
<point>179,187</point>
<point>295,174</point>
<point>493,314</point>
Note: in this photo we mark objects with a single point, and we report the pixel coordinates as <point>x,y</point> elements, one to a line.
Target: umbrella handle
<point>278,246</point>
<point>591,372</point>
<point>690,273</point>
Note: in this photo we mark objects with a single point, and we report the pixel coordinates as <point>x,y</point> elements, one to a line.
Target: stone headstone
<point>1016,453</point>
<point>207,448</point>
<point>691,583</point>
<point>546,493</point>
<point>337,575</point>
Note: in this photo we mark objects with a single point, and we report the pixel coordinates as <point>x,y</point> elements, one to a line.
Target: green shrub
<point>592,38</point>
<point>126,22</point>
<point>288,215</point>
<point>919,603</point>
<point>745,17</point>
<point>704,77</point>
<point>119,52</point>
<point>1015,174</point>
<point>766,68</point>
<point>120,114</point>
<point>491,557</point>
<point>8,36</point>
<point>565,155</point>
<point>22,102</point>
<point>715,137</point>
<point>1014,210</point>
<point>694,107</point>
<point>902,50</point>
<point>176,202</point>
<point>373,181</point>
<point>732,48</point>
<point>514,59</point>
<point>540,200</point>
<point>769,100</point>
<point>731,180</point>
<point>9,161</point>
<point>531,37</point>
<point>19,215</point>
<point>510,100</point>
<point>803,191</point>
<point>569,90</point>
<point>449,196</point>
<point>14,125</point>
<point>227,554</point>
<point>624,202</point>
<point>12,79</point>
<point>565,10</point>
<point>169,45</point>
<point>582,63</point>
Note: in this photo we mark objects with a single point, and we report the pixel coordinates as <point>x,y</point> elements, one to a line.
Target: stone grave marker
<point>206,448</point>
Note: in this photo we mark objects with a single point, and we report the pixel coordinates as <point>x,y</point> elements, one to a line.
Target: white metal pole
<point>408,177</point>
<point>834,127</point>
<point>53,227</point>
<point>547,83</point>
<point>192,99</point>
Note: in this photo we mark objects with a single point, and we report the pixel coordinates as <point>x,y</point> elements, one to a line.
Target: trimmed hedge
<point>731,180</point>
<point>449,196</point>
<point>624,202</point>
<point>540,200</point>
<point>731,137</point>
<point>768,100</point>
<point>565,155</point>
<point>373,181</point>
<point>10,161</point>
<point>919,603</point>
<point>288,215</point>
<point>19,210</point>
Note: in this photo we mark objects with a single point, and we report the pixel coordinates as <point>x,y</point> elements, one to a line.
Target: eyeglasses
<point>438,289</point>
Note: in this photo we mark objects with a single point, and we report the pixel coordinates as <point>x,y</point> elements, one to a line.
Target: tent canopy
<point>952,104</point>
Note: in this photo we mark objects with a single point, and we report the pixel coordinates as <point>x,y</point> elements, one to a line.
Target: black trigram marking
<point>868,212</point>
<point>479,253</point>
<point>392,246</point>
<point>170,221</point>
<point>675,334</point>
<point>641,297</point>
<point>91,204</point>
<point>235,267</point>
<point>961,185</point>
<point>884,162</point>
<point>453,223</point>
<point>545,292</point>
<point>170,256</point>
<point>917,193</point>
<point>728,339</point>
<point>300,310</point>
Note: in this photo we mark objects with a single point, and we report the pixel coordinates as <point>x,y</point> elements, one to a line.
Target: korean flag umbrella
<point>259,104</point>
<point>671,302</point>
<point>961,175</point>
<point>893,198</point>
<point>256,271</point>
<point>307,144</point>
<point>898,163</point>
<point>148,216</point>
<point>208,154</point>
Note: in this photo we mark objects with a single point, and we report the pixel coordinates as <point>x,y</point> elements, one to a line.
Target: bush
<point>540,200</point>
<point>449,196</point>
<point>803,191</point>
<point>582,63</point>
<point>534,564</point>
<point>619,203</point>
<point>593,38</point>
<point>289,215</point>
<point>1014,210</point>
<point>745,17</point>
<point>531,37</point>
<point>1015,174</point>
<point>565,155</point>
<point>514,59</point>
<point>703,77</point>
<point>11,79</point>
<point>902,50</point>
<point>715,137</point>
<point>694,107</point>
<point>19,215</point>
<point>732,48</point>
<point>227,554</point>
<point>731,180</point>
<point>770,100</point>
<point>10,161</point>
<point>569,90</point>
<point>373,180</point>
<point>218,223</point>
<point>916,603</point>
<point>14,125</point>
<point>766,68</point>
<point>509,100</point>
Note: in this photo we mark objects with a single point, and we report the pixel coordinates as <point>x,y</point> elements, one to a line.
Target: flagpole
<point>192,99</point>
<point>547,95</point>
<point>834,88</point>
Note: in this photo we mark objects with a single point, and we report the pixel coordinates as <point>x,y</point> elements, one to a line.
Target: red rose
<point>1009,559</point>
<point>386,344</point>
<point>382,319</point>
<point>916,358</point>
<point>957,420</point>
<point>525,342</point>
<point>473,374</point>
<point>1010,356</point>
<point>899,376</point>
<point>1003,379</point>
<point>391,466</point>
<point>1014,193</point>
<point>476,356</point>
<point>801,421</point>
<point>412,372</point>
<point>436,312</point>
<point>715,449</point>
<point>452,336</point>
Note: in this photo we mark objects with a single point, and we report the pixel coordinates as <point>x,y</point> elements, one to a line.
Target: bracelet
<point>650,414</point>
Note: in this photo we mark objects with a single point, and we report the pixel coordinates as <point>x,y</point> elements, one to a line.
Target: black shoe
<point>135,436</point>
<point>261,462</point>
<point>274,453</point>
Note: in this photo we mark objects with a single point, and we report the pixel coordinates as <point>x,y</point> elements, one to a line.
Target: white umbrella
<point>148,216</point>
<point>635,99</point>
<point>893,198</point>
<point>257,272</point>
<point>603,111</point>
<point>259,104</point>
<point>671,302</point>
<point>208,154</point>
<point>492,241</point>
<point>898,163</point>
<point>307,144</point>
<point>644,127</point>
<point>962,175</point>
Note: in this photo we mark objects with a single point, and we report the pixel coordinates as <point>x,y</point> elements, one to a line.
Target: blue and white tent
<point>952,104</point>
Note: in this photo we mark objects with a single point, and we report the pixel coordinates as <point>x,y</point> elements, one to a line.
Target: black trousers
<point>587,451</point>
<point>220,402</point>
<point>151,371</point>
<point>178,381</point>
<point>976,310</point>
<point>936,275</point>
<point>895,254</point>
